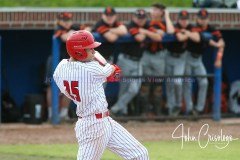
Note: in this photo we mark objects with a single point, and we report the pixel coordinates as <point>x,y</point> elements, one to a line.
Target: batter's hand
<point>115,76</point>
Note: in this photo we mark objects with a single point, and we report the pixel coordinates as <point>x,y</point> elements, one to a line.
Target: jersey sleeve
<point>76,27</point>
<point>58,80</point>
<point>176,29</point>
<point>133,29</point>
<point>216,33</point>
<point>100,27</point>
<point>100,71</point>
<point>150,28</point>
<point>195,29</point>
<point>117,24</point>
<point>59,31</point>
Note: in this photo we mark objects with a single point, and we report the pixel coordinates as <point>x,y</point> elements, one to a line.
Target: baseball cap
<point>203,14</point>
<point>183,14</point>
<point>140,13</point>
<point>109,11</point>
<point>65,16</point>
<point>159,6</point>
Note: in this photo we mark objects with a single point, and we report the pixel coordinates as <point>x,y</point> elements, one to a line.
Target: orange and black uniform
<point>107,48</point>
<point>61,30</point>
<point>197,49</point>
<point>154,47</point>
<point>177,48</point>
<point>135,49</point>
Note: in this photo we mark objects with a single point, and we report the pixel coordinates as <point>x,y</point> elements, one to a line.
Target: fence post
<point>1,80</point>
<point>55,92</point>
<point>217,91</point>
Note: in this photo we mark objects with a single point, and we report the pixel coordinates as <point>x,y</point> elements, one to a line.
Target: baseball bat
<point>100,58</point>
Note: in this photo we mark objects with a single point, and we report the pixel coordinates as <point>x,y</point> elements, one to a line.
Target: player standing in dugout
<point>111,29</point>
<point>176,61</point>
<point>130,59</point>
<point>153,59</point>
<point>194,64</point>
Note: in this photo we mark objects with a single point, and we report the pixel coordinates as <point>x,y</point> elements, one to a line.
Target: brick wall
<point>37,19</point>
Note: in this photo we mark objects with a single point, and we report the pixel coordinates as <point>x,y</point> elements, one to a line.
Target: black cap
<point>203,14</point>
<point>159,6</point>
<point>140,13</point>
<point>183,14</point>
<point>109,11</point>
<point>65,16</point>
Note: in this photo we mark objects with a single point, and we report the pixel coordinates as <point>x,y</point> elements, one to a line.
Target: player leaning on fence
<point>194,64</point>
<point>129,59</point>
<point>153,59</point>
<point>175,62</point>
<point>111,29</point>
<point>154,56</point>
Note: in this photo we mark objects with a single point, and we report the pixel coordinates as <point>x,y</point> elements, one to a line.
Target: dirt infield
<point>144,131</point>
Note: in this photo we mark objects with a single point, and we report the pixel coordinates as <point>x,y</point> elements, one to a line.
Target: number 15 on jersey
<point>72,89</point>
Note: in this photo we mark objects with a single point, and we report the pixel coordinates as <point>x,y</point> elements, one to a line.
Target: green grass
<point>92,3</point>
<point>164,150</point>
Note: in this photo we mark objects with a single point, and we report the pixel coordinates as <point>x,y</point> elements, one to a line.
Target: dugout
<point>24,54</point>
<point>27,44</point>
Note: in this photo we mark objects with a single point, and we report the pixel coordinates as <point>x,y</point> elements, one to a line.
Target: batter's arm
<point>107,68</point>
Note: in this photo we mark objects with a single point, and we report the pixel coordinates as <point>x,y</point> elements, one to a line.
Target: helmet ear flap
<point>81,54</point>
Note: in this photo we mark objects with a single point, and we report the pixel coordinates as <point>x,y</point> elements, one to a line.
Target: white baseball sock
<point>49,112</point>
<point>64,112</point>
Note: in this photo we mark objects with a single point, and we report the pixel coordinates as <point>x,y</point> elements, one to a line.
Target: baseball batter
<point>81,79</point>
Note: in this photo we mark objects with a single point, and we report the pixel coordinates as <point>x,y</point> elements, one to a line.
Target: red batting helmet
<point>78,41</point>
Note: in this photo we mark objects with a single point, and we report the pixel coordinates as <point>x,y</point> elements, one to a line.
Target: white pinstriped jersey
<point>82,83</point>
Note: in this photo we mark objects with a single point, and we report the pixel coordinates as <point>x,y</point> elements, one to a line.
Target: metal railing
<point>0,79</point>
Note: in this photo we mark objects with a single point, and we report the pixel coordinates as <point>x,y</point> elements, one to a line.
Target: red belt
<point>101,115</point>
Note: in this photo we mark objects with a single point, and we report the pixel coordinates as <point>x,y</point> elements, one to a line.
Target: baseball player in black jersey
<point>129,59</point>
<point>194,64</point>
<point>175,63</point>
<point>111,29</point>
<point>154,56</point>
<point>153,60</point>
